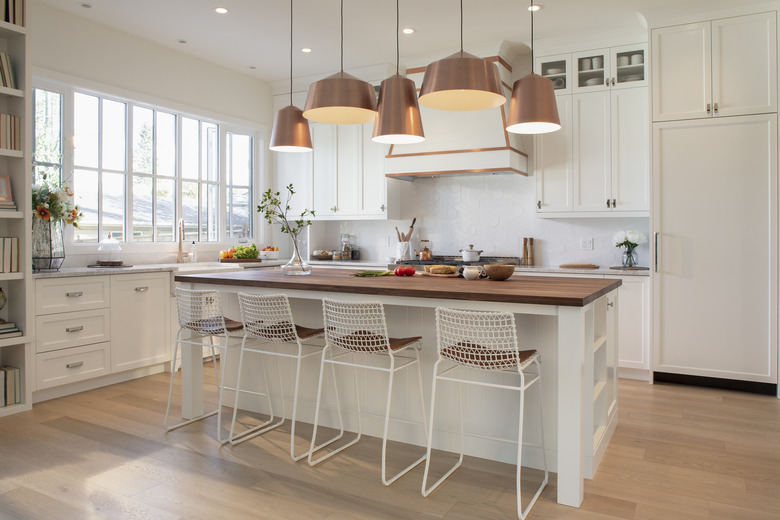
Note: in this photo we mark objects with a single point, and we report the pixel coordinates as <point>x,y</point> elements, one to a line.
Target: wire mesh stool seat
<point>355,329</point>
<point>269,319</point>
<point>200,315</point>
<point>485,341</point>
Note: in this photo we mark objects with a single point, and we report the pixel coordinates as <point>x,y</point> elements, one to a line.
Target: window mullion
<point>128,172</point>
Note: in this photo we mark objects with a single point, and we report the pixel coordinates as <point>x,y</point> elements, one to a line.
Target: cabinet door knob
<point>74,294</point>
<point>382,207</point>
<point>75,329</point>
<point>75,365</point>
<point>539,204</point>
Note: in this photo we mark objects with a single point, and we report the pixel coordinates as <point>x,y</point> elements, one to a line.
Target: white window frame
<point>67,85</point>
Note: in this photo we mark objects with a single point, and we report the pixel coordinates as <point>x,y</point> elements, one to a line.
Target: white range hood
<point>458,143</point>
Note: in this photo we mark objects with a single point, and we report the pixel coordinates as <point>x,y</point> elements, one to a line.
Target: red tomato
<point>400,270</point>
<point>409,270</point>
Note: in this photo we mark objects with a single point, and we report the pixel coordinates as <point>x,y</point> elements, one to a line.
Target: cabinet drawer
<point>71,294</point>
<point>72,329</point>
<point>71,365</point>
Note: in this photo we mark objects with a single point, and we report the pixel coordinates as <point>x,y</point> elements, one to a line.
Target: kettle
<point>426,253</point>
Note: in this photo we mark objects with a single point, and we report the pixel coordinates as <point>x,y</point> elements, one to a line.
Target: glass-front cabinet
<point>557,70</point>
<point>629,66</point>
<point>591,70</point>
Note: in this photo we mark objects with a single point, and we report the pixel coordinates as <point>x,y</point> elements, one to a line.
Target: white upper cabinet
<point>348,174</point>
<point>724,67</point>
<point>600,69</point>
<point>553,164</point>
<point>630,150</point>
<point>591,156</point>
<point>558,70</point>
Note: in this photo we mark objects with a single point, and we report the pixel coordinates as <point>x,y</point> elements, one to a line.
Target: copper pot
<point>426,253</point>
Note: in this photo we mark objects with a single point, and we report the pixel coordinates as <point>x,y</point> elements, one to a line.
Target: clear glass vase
<point>48,246</point>
<point>296,265</point>
<point>630,258</point>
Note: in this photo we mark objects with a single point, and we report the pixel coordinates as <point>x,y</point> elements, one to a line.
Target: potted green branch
<point>274,211</point>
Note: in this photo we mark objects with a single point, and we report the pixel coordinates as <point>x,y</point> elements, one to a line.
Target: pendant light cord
<point>461,28</point>
<point>291,52</point>
<point>342,36</point>
<point>532,36</point>
<point>397,39</point>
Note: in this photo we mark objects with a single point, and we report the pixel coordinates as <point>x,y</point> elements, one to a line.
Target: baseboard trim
<point>752,387</point>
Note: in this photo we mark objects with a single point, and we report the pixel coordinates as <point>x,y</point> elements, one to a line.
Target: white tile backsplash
<point>493,212</point>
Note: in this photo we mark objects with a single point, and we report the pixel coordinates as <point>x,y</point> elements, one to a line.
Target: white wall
<point>493,212</point>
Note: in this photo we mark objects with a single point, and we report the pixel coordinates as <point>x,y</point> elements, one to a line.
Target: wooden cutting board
<point>578,266</point>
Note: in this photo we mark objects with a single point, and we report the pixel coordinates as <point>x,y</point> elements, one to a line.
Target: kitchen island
<point>571,321</point>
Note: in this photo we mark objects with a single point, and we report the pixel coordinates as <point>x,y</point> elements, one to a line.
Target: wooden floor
<point>678,453</point>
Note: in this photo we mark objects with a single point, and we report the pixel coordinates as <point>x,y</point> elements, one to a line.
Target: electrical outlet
<point>586,244</point>
<point>388,241</point>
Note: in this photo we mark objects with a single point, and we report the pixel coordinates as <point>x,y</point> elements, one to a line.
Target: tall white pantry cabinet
<point>715,208</point>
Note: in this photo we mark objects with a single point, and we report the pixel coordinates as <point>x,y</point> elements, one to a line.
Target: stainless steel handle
<point>75,329</point>
<point>715,108</point>
<point>708,108</point>
<point>74,294</point>
<point>655,252</point>
<point>539,204</point>
<point>75,365</point>
<point>141,289</point>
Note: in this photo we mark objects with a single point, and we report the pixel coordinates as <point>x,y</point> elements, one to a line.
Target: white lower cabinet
<point>634,326</point>
<point>92,326</point>
<point>140,320</point>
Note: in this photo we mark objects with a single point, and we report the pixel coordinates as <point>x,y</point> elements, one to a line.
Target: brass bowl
<point>499,271</point>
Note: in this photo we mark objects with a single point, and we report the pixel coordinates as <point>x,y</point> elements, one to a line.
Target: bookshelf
<point>17,351</point>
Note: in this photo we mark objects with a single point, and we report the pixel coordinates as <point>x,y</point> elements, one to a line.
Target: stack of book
<point>10,385</point>
<point>7,78</point>
<point>9,330</point>
<point>9,254</point>
<point>9,132</point>
<point>13,11</point>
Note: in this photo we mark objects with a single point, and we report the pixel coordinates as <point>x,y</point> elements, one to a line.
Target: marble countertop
<point>200,267</point>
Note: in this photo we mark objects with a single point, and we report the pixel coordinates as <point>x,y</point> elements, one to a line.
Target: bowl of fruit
<point>269,253</point>
<point>239,254</point>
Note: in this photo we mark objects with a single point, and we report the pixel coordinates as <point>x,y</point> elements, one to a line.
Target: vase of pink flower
<point>52,207</point>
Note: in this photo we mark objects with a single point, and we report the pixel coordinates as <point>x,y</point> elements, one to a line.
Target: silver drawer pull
<point>75,329</point>
<point>75,365</point>
<point>74,294</point>
<point>141,289</point>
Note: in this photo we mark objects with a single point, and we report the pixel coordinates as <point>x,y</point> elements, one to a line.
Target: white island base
<point>579,368</point>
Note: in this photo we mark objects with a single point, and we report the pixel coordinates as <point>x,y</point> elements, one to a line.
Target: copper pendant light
<point>462,81</point>
<point>290,132</point>
<point>341,98</point>
<point>398,120</point>
<point>532,108</point>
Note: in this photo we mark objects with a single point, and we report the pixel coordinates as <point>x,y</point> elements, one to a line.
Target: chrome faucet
<point>180,256</point>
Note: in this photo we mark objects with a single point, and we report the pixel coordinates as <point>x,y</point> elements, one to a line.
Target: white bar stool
<point>200,314</point>
<point>269,319</point>
<point>483,341</point>
<point>359,330</point>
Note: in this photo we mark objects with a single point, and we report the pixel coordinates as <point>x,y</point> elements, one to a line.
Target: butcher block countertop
<point>569,292</point>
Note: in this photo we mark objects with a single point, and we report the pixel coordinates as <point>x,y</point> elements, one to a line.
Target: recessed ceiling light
<point>408,30</point>
<point>221,10</point>
<point>85,5</point>
<point>182,41</point>
<point>306,49</point>
<point>534,7</point>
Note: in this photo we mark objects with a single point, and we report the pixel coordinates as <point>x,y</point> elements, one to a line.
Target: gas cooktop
<point>458,260</point>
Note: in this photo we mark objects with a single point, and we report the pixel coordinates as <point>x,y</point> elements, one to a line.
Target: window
<point>47,155</point>
<point>138,169</point>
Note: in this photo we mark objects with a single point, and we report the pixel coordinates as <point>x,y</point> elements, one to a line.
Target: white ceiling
<point>255,33</point>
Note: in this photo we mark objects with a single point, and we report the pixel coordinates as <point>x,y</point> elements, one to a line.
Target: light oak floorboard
<point>678,453</point>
